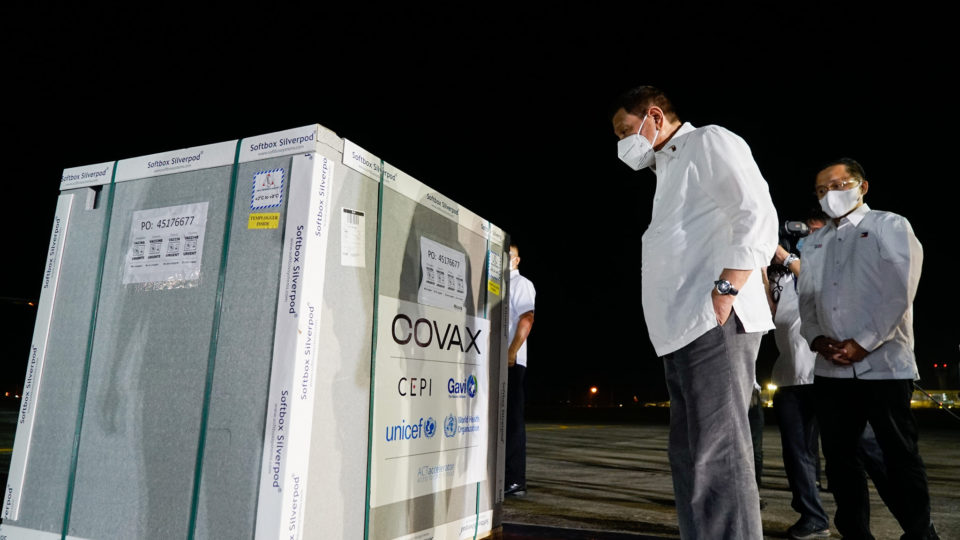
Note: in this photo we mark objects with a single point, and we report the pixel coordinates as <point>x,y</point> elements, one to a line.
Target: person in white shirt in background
<point>522,298</point>
<point>793,401</point>
<point>859,279</point>
<point>713,228</point>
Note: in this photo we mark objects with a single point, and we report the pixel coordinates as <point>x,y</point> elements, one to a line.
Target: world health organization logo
<point>450,426</point>
<point>472,386</point>
<point>429,427</point>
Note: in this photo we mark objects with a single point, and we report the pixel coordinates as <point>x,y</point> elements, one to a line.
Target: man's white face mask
<point>636,151</point>
<point>837,203</point>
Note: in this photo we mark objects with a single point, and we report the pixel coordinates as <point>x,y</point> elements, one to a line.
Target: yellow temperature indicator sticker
<point>493,287</point>
<point>264,221</point>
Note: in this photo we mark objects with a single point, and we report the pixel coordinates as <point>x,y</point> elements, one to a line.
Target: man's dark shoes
<point>515,490</point>
<point>807,531</point>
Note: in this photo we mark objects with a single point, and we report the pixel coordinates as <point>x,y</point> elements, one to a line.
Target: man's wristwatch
<point>724,287</point>
<point>789,260</point>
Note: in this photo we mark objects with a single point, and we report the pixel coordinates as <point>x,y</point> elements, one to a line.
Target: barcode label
<point>352,217</point>
<point>352,244</point>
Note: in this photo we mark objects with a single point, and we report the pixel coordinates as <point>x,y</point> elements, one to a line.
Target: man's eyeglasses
<point>840,185</point>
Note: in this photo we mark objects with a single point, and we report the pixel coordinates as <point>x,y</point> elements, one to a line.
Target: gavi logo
<point>464,388</point>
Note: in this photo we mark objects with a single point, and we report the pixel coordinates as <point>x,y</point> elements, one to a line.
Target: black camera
<point>796,228</point>
<point>791,232</point>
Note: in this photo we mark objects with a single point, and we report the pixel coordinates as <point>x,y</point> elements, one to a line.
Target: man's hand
<point>830,349</point>
<point>511,358</point>
<point>722,304</point>
<point>852,350</point>
<point>841,353</point>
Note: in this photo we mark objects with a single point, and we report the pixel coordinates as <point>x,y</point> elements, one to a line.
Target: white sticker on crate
<point>352,241</point>
<point>166,244</point>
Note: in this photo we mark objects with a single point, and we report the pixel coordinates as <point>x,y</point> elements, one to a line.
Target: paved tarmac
<point>612,481</point>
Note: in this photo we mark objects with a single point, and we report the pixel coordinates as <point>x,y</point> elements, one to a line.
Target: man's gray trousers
<point>711,452</point>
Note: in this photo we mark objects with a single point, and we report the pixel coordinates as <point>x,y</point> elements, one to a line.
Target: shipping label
<point>352,242</point>
<point>443,282</point>
<point>166,244</point>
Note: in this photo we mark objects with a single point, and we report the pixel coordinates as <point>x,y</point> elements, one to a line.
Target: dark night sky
<point>507,112</point>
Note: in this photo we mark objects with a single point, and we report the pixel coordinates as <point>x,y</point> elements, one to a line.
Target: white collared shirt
<point>858,281</point>
<point>522,298</point>
<point>712,210</point>
<point>794,366</point>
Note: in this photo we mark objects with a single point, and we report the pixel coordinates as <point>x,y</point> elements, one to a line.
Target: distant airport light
<point>593,389</point>
<point>771,387</point>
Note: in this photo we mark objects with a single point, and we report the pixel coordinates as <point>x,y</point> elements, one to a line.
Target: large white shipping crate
<point>276,337</point>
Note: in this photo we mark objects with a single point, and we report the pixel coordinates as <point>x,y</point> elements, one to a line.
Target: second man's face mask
<point>838,203</point>
<point>636,151</point>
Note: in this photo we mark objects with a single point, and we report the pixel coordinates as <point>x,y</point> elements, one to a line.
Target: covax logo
<point>425,332</point>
